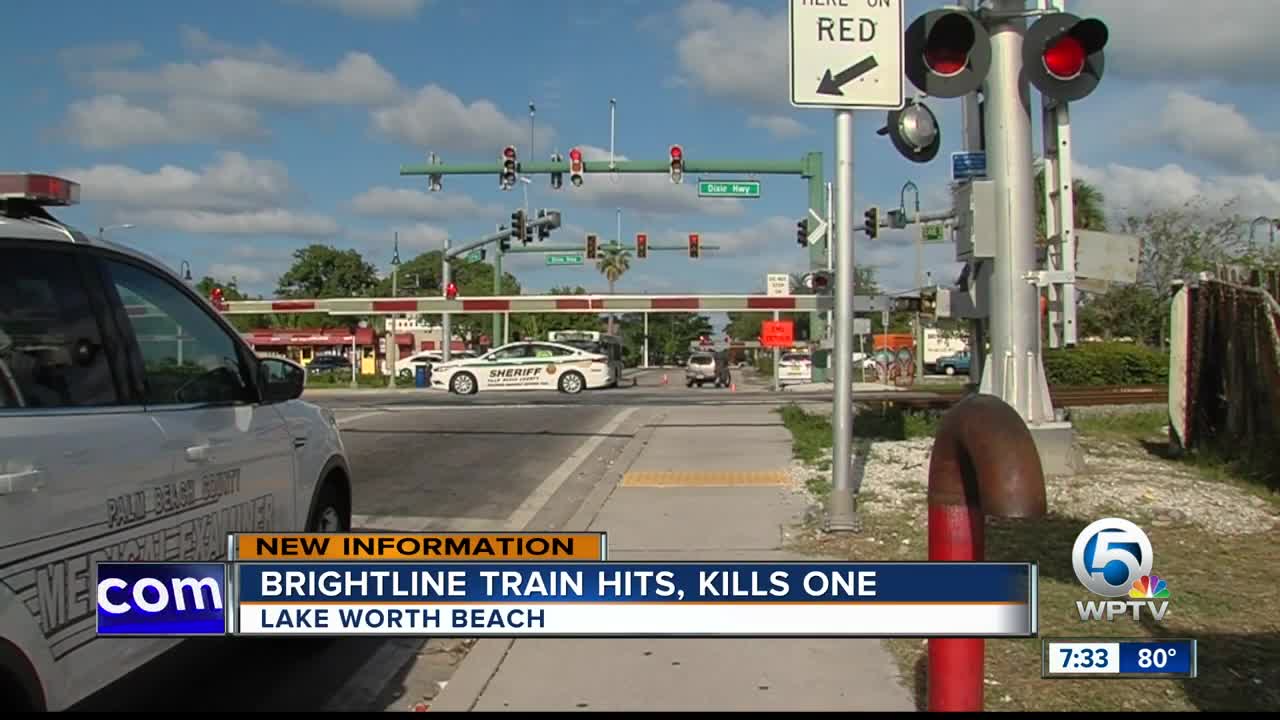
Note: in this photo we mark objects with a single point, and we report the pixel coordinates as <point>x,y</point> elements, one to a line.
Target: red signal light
<point>509,152</point>
<point>451,291</point>
<point>676,152</point>
<point>946,61</point>
<point>575,155</point>
<point>1064,59</point>
<point>642,245</point>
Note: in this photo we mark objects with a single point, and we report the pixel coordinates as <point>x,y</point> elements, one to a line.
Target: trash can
<point>420,376</point>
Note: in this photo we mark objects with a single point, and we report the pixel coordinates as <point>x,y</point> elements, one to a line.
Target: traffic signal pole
<point>446,340</point>
<point>842,514</point>
<point>1015,371</point>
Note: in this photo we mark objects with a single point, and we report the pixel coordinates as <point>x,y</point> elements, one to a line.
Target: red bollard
<point>984,462</point>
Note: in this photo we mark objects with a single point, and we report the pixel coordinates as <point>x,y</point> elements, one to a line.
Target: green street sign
<point>729,188</point>
<point>564,259</point>
<point>933,233</point>
<point>475,256</point>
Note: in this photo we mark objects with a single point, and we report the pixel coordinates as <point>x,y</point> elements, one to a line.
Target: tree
<point>243,323</point>
<point>670,334</point>
<point>1132,311</point>
<point>614,262</point>
<point>320,271</point>
<point>424,275</point>
<point>1089,206</point>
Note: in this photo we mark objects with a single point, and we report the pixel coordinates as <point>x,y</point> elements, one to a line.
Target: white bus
<point>596,342</point>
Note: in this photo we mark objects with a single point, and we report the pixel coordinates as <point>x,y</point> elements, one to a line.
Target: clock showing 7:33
<point>1136,657</point>
<point>1085,657</point>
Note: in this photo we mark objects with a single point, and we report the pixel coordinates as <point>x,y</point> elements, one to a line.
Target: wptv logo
<point>1112,558</point>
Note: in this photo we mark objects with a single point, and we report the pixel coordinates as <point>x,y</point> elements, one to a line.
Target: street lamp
<point>102,231</point>
<point>186,271</point>
<point>1273,222</point>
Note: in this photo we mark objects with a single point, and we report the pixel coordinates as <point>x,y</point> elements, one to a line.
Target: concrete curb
<point>485,658</point>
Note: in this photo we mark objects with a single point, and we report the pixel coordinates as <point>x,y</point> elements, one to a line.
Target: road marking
<point>543,493</point>
<point>420,524</point>
<point>360,416</point>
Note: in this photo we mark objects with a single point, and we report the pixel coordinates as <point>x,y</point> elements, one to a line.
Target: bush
<point>1106,364</point>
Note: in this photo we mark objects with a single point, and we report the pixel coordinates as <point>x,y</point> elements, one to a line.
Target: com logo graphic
<point>1113,557</point>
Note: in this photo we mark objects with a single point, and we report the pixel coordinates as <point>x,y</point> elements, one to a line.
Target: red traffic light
<point>676,152</point>
<point>642,245</point>
<point>509,152</point>
<point>694,250</point>
<point>451,291</point>
<point>575,155</point>
<point>948,53</point>
<point>1062,55</point>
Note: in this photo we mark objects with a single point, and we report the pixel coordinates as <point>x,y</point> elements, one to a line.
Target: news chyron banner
<point>553,585</point>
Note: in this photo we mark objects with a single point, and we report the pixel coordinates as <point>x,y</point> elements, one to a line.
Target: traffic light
<point>510,164</point>
<point>557,178</point>
<point>1062,55</point>
<point>914,131</point>
<point>451,291</point>
<point>216,299</point>
<point>642,245</point>
<point>575,167</point>
<point>929,302</point>
<point>802,233</point>
<point>821,282</point>
<point>948,53</point>
<point>677,164</point>
<point>694,249</point>
<point>505,243</point>
<point>519,227</point>
<point>544,231</point>
<point>591,246</point>
<point>871,222</point>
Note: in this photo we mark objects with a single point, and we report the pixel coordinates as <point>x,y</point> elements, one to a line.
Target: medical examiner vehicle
<point>525,366</point>
<point>135,424</point>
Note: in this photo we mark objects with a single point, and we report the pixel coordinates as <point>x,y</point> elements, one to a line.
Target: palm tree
<point>614,262</point>
<point>1089,211</point>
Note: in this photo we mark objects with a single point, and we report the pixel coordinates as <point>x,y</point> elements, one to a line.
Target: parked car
<point>328,363</point>
<point>957,364</point>
<point>795,367</point>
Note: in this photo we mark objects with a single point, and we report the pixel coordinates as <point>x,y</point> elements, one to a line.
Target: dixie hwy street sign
<point>729,188</point>
<point>564,260</point>
<point>847,54</point>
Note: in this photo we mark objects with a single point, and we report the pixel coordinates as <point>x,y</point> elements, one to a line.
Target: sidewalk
<point>698,483</point>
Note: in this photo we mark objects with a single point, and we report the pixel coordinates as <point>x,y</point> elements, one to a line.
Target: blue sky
<point>230,138</point>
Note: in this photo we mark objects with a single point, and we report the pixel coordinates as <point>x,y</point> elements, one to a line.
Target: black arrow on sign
<point>831,85</point>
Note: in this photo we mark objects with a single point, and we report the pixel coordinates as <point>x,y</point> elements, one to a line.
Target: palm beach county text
<point>461,599</point>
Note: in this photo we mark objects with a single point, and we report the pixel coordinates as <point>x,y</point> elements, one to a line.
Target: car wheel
<point>330,514</point>
<point>406,374</point>
<point>572,383</point>
<point>950,370</point>
<point>463,383</point>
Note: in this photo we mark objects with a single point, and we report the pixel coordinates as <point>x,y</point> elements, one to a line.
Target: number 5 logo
<point>1101,546</point>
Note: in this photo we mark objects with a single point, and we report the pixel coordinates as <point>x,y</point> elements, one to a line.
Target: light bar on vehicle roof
<point>41,189</point>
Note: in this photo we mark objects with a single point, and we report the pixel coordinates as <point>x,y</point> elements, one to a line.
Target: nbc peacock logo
<point>1149,587</point>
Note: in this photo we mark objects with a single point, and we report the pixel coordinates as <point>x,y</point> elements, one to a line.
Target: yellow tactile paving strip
<point>712,478</point>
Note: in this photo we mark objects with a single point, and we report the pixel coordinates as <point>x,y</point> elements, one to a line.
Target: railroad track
<point>1060,396</point>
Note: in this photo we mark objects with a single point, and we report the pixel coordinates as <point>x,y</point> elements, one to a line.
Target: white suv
<point>135,425</point>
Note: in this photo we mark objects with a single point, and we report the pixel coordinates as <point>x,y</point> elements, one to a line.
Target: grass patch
<point>1224,593</point>
<point>1141,424</point>
<point>343,380</point>
<point>810,434</point>
<point>894,423</point>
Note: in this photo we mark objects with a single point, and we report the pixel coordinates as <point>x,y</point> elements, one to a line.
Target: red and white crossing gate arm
<point>552,304</point>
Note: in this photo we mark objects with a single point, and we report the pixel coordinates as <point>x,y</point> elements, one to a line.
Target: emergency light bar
<point>40,189</point>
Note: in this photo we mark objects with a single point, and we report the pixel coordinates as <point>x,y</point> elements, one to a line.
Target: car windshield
<point>795,357</point>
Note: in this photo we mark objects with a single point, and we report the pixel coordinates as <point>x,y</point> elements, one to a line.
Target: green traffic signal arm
<point>808,166</point>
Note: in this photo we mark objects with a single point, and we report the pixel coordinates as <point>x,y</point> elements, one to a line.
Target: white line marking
<point>420,524</point>
<point>542,494</point>
<point>360,416</point>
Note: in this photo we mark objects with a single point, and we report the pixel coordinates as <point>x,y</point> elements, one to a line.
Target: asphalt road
<point>422,461</point>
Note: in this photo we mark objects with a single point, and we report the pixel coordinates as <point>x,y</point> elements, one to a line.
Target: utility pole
<point>446,342</point>
<point>830,255</point>
<point>843,512</point>
<point>499,318</point>
<point>393,350</point>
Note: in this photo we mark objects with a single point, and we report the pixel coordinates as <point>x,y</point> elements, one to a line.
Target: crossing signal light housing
<point>948,53</point>
<point>592,243</point>
<point>1062,55</point>
<point>575,167</point>
<point>914,132</point>
<point>217,299</point>
<point>695,249</point>
<point>510,164</point>
<point>519,226</point>
<point>505,243</point>
<point>451,291</point>
<point>871,222</point>
<point>821,282</point>
<point>544,231</point>
<point>677,164</point>
<point>802,233</point>
<point>642,245</point>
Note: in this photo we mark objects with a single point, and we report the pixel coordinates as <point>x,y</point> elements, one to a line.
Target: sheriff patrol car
<point>525,366</point>
<point>135,425</point>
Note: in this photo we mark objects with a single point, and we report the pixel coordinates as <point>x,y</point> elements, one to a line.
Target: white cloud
<point>234,195</point>
<point>1232,42</point>
<point>276,221</point>
<point>740,54</point>
<point>435,117</point>
<point>86,56</point>
<point>370,9</point>
<point>232,182</point>
<point>414,239</point>
<point>1131,190</point>
<point>357,79</point>
<point>1218,133</point>
<point>642,193</point>
<point>418,205</point>
<point>780,126</point>
<point>108,121</point>
<point>198,42</point>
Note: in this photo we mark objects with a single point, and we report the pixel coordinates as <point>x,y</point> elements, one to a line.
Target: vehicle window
<point>700,360</point>
<point>51,352</point>
<point>512,353</point>
<point>795,357</point>
<point>187,356</point>
<point>546,351</point>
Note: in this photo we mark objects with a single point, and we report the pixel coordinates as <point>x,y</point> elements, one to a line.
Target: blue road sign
<point>968,165</point>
